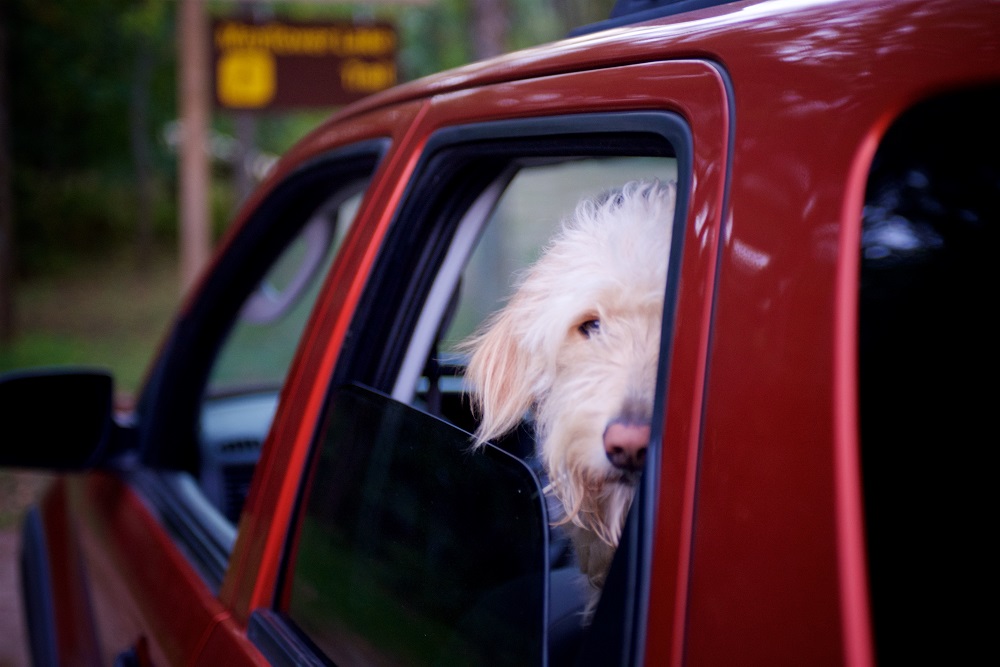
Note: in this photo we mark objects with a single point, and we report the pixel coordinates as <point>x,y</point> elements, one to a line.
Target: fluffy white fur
<point>577,344</point>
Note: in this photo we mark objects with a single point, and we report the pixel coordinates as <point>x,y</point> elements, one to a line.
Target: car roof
<point>705,29</point>
<point>620,41</point>
<point>626,12</point>
<point>740,35</point>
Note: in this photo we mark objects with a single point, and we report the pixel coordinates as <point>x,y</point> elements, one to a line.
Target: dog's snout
<point>625,444</point>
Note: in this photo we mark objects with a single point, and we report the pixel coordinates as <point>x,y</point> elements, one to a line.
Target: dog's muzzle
<point>625,444</point>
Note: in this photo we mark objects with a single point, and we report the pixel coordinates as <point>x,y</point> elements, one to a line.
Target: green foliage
<point>86,78</point>
<point>70,215</point>
<point>73,83</point>
<point>434,38</point>
<point>69,81</point>
<point>76,77</point>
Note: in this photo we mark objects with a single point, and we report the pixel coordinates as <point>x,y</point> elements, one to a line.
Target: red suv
<point>295,485</point>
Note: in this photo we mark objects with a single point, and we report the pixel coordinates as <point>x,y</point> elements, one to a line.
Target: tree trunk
<point>195,177</point>
<point>490,28</point>
<point>6,198</point>
<point>142,154</point>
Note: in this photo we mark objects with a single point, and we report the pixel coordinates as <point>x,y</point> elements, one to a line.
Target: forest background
<point>88,161</point>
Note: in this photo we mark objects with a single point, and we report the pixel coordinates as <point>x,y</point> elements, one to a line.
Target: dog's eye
<point>589,328</point>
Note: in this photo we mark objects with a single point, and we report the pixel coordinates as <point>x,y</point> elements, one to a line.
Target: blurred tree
<point>577,13</point>
<point>88,86</point>
<point>91,85</point>
<point>147,25</point>
<point>490,27</point>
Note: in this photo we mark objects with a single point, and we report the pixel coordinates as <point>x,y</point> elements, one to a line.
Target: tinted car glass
<point>929,289</point>
<point>413,550</point>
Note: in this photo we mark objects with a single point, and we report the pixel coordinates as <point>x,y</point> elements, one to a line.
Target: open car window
<point>484,202</point>
<point>497,248</point>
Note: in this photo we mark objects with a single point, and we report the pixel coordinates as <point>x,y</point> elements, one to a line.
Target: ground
<point>17,492</point>
<point>13,647</point>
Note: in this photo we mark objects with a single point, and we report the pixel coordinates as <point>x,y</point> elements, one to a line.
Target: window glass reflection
<point>413,550</point>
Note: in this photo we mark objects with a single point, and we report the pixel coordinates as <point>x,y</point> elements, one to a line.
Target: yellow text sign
<point>287,65</point>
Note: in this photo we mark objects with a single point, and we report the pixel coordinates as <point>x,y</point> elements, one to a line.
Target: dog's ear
<point>499,373</point>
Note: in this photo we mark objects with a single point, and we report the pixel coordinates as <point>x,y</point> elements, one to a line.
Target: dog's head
<point>578,344</point>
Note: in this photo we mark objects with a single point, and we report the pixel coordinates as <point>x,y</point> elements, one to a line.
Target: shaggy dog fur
<point>578,344</point>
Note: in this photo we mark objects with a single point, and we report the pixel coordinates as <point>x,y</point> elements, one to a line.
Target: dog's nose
<point>625,444</point>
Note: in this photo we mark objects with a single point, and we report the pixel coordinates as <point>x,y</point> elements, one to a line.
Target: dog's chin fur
<point>608,263</point>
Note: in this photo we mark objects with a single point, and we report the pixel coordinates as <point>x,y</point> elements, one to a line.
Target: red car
<point>294,485</point>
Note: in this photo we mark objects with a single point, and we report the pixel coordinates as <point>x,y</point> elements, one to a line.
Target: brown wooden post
<point>490,28</point>
<point>195,175</point>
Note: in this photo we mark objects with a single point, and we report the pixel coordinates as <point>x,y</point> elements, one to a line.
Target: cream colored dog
<point>578,344</point>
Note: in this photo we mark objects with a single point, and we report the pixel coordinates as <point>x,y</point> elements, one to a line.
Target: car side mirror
<point>55,419</point>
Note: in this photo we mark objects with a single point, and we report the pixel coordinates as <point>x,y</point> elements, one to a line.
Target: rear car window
<point>928,336</point>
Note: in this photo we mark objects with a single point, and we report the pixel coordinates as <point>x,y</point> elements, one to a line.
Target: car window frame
<point>621,633</point>
<point>167,416</point>
<point>548,136</point>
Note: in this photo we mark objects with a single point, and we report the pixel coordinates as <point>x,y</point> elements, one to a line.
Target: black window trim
<point>279,639</point>
<point>161,425</point>
<point>169,403</point>
<point>424,222</point>
<point>197,527</point>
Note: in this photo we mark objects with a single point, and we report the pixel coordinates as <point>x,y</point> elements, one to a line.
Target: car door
<point>326,543</point>
<point>126,563</point>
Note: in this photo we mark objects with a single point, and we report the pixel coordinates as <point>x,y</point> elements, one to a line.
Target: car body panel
<point>799,565</point>
<point>270,503</point>
<point>119,579</point>
<point>72,618</point>
<point>700,97</point>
